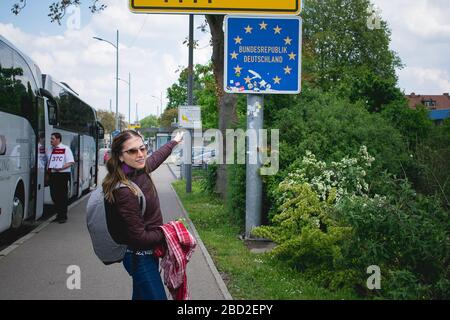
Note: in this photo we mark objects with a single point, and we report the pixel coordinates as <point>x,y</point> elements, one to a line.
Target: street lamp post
<point>129,96</point>
<point>160,103</point>
<point>117,74</point>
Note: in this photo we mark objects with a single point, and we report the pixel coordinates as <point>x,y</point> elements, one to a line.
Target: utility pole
<point>117,81</point>
<point>137,117</point>
<point>188,140</point>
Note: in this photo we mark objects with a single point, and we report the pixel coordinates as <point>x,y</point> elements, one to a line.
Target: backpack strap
<point>142,201</point>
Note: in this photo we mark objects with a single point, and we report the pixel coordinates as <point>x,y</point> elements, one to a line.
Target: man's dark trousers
<point>58,191</point>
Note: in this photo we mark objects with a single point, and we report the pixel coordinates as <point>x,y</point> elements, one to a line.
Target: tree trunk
<point>226,102</point>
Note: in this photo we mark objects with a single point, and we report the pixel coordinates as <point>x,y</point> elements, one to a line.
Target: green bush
<point>208,184</point>
<point>406,234</point>
<point>236,189</point>
<point>334,239</point>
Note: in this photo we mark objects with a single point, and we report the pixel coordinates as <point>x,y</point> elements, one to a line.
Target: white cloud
<point>421,37</point>
<point>430,81</point>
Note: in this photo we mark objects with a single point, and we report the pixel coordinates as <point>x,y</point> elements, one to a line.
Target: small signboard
<point>189,117</point>
<point>290,7</point>
<point>115,133</point>
<point>262,55</point>
<point>134,126</point>
<point>57,158</point>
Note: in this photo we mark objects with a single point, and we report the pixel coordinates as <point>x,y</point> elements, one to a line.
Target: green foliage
<point>150,121</point>
<point>204,93</point>
<point>406,234</point>
<point>235,195</point>
<point>428,148</point>
<point>307,238</point>
<point>331,128</point>
<point>168,117</point>
<point>345,55</point>
<point>209,183</point>
<point>336,239</point>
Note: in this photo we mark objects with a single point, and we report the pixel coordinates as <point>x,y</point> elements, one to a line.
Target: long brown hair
<point>115,174</point>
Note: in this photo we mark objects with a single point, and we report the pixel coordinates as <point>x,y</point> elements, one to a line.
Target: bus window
<point>26,88</point>
<point>6,80</point>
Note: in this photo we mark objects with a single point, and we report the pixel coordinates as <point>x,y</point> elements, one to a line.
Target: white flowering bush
<point>346,177</point>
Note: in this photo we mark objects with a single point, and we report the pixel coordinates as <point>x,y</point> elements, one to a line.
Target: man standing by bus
<point>60,159</point>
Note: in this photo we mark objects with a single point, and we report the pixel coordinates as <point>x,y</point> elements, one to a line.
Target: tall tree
<point>150,121</point>
<point>107,119</point>
<point>350,53</point>
<point>226,102</point>
<point>167,118</point>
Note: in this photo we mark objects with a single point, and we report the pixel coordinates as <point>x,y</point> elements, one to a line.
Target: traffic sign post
<point>190,118</point>
<point>279,7</point>
<point>262,56</point>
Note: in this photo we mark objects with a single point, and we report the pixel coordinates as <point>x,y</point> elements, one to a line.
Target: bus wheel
<point>17,213</point>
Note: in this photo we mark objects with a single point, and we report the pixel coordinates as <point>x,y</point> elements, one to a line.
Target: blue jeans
<point>147,283</point>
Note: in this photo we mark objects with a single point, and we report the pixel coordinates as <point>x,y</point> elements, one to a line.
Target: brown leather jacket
<point>125,221</point>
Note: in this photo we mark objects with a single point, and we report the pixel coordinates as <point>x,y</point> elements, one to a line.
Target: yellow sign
<point>291,7</point>
<point>134,126</point>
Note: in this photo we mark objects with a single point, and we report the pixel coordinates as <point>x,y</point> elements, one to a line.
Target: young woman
<point>129,162</point>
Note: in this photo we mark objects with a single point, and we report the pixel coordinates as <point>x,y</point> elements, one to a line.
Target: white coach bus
<point>29,114</point>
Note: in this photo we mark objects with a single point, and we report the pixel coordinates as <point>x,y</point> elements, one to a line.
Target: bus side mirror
<point>100,131</point>
<point>52,107</point>
<point>52,112</point>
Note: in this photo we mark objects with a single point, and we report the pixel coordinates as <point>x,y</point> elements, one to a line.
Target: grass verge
<point>247,275</point>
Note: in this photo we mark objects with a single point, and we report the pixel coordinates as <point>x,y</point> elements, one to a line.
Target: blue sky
<point>33,19</point>
<point>152,50</point>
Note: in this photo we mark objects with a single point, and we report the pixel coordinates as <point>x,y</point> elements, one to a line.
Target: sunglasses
<point>134,151</point>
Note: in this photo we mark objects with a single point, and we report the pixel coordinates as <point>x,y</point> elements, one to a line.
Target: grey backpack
<point>106,249</point>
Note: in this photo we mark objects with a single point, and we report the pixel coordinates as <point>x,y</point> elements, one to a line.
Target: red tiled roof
<point>442,101</point>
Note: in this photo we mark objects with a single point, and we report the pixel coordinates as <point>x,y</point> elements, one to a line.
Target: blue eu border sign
<point>263,55</point>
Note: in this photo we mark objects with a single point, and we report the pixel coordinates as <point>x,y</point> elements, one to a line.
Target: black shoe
<point>61,220</point>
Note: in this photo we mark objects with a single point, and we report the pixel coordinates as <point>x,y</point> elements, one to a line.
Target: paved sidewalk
<point>35,267</point>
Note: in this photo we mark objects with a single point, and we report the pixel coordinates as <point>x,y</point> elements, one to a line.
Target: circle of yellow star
<point>276,80</point>
<point>237,40</point>
<point>287,70</point>
<point>263,25</point>
<point>248,29</point>
<point>234,55</point>
<point>277,29</point>
<point>287,41</point>
<point>237,69</point>
<point>248,79</point>
<point>292,56</point>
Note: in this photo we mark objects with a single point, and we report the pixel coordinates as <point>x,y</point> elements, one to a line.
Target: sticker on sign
<point>289,7</point>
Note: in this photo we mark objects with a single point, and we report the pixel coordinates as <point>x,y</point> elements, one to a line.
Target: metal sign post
<point>262,56</point>
<point>189,117</point>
